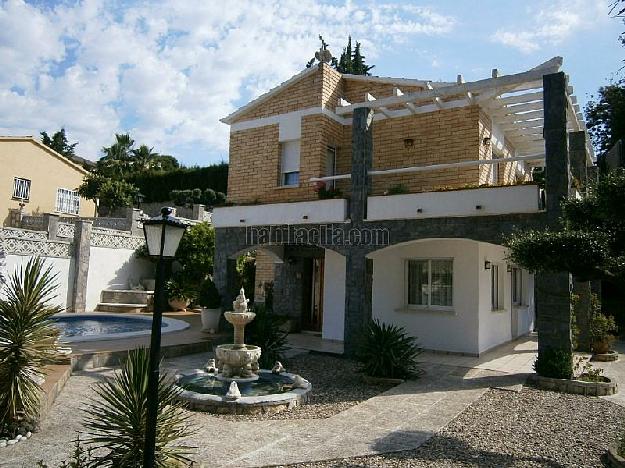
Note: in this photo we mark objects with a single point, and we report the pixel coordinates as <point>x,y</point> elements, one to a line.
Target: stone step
<point>120,308</point>
<point>125,296</point>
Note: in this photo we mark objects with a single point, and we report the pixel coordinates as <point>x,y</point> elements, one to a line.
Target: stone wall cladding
<point>301,95</point>
<point>265,271</point>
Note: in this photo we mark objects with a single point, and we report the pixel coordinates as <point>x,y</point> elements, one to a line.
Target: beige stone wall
<point>506,171</point>
<point>47,172</point>
<point>355,90</point>
<point>265,271</point>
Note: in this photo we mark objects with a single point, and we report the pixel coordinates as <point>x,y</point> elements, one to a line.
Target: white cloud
<point>555,24</point>
<point>167,71</point>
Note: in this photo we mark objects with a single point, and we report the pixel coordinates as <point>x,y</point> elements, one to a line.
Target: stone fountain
<point>238,361</point>
<point>233,382</point>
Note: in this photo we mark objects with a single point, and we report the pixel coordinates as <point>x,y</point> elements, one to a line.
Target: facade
<point>390,198</point>
<point>36,180</point>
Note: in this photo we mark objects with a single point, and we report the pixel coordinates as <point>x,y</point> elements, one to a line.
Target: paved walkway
<point>400,419</point>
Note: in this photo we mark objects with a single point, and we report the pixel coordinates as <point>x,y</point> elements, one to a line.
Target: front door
<point>313,311</point>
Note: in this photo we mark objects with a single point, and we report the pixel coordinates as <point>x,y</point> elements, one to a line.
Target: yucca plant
<point>116,420</point>
<point>266,331</point>
<point>27,342</point>
<point>387,351</point>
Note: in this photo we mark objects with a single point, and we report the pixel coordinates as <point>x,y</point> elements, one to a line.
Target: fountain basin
<point>269,394</point>
<point>238,361</point>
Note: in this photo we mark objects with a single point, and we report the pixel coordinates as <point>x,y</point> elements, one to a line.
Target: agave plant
<point>116,420</point>
<point>387,351</point>
<point>27,342</point>
<point>266,331</point>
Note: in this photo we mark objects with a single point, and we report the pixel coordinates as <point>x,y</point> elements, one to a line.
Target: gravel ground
<point>336,386</point>
<point>532,428</point>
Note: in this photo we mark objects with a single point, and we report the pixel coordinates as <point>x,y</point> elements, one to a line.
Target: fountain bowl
<point>238,362</point>
<point>270,394</point>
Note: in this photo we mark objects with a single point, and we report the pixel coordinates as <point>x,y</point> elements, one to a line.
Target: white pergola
<point>514,103</point>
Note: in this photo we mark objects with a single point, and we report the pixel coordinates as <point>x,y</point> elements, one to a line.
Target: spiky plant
<point>387,351</point>
<point>116,419</point>
<point>27,342</point>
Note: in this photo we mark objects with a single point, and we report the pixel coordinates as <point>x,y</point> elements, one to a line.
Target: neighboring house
<point>36,180</point>
<point>431,175</point>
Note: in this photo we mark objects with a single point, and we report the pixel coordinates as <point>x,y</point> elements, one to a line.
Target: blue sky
<point>167,71</point>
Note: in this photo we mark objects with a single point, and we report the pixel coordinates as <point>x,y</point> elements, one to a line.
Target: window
<point>67,201</point>
<point>430,283</point>
<point>289,163</point>
<point>517,286</point>
<point>330,165</point>
<point>495,290</point>
<point>21,188</point>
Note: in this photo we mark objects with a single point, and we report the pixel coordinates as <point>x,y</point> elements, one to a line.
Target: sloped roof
<point>76,163</point>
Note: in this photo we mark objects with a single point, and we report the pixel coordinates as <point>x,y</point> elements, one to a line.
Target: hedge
<point>156,186</point>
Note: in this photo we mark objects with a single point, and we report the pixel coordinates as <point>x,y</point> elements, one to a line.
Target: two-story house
<point>35,179</point>
<point>390,198</point>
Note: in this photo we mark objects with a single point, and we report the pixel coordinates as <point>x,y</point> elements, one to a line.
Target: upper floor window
<point>21,188</point>
<point>67,201</point>
<point>430,283</point>
<point>289,163</point>
<point>330,165</point>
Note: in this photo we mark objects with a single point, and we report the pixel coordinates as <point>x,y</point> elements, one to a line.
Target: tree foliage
<point>605,116</point>
<point>59,143</point>
<point>351,60</point>
<point>591,240</point>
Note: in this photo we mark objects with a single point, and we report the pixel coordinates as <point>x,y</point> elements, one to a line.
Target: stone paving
<point>400,419</point>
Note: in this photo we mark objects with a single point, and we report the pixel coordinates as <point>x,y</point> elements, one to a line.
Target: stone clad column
<point>358,285</point>
<point>578,156</point>
<point>82,251</point>
<point>553,303</point>
<point>362,160</point>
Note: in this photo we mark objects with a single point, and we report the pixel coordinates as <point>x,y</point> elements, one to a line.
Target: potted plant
<point>601,328</point>
<point>210,303</point>
<point>179,293</point>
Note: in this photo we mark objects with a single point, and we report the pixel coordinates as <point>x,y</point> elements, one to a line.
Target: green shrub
<point>266,331</point>
<point>387,351</point>
<point>209,295</point>
<point>554,363</point>
<point>180,287</point>
<point>246,274</point>
<point>27,343</point>
<point>116,419</point>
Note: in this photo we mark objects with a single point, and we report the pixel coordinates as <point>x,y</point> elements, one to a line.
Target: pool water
<point>266,384</point>
<point>103,326</point>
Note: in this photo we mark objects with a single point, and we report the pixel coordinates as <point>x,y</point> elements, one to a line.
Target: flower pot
<point>210,319</point>
<point>149,284</point>
<point>179,303</point>
<point>601,347</point>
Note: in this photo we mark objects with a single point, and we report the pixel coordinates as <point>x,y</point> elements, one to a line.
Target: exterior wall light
<point>408,142</point>
<point>486,141</point>
<point>487,265</point>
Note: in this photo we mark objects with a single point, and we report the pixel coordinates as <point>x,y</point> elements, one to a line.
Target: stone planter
<point>614,459</point>
<point>610,356</point>
<point>577,387</point>
<point>178,303</point>
<point>210,319</point>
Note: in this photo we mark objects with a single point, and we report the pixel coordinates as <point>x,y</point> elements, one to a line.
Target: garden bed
<point>576,387</point>
<point>337,386</point>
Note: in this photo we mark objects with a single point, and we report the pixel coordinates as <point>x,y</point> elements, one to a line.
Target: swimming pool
<point>100,326</point>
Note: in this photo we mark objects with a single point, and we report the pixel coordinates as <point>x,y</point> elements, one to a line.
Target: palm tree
<point>144,158</point>
<point>116,420</point>
<point>27,342</point>
<point>116,159</point>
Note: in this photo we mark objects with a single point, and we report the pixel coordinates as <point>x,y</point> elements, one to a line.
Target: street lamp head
<point>163,233</point>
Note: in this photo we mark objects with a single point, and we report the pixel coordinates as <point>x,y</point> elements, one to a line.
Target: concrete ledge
<point>56,377</point>
<point>614,459</point>
<point>577,387</point>
<point>610,356</point>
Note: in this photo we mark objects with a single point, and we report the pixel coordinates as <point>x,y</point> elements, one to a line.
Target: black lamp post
<point>139,197</point>
<point>162,236</point>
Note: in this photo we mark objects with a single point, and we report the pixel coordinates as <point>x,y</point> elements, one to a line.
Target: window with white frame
<point>289,163</point>
<point>330,165</point>
<point>517,286</point>
<point>67,201</point>
<point>21,188</point>
<point>430,283</point>
<point>495,288</point>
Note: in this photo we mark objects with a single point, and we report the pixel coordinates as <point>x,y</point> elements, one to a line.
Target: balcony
<point>308,212</point>
<point>470,202</point>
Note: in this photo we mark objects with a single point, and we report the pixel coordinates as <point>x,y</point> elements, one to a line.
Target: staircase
<point>124,301</point>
